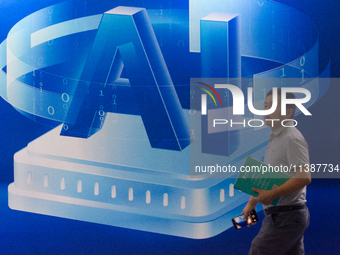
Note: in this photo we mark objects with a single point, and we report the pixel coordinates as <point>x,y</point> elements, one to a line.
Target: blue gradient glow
<point>138,82</point>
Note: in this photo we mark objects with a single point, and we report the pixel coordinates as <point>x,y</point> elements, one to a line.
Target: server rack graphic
<point>126,149</point>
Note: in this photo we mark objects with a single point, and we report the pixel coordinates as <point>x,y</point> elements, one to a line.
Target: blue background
<point>27,233</point>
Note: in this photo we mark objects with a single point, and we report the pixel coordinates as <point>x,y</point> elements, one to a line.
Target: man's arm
<point>295,183</point>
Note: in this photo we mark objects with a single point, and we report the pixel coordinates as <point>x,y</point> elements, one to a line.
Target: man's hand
<point>251,205</point>
<point>265,196</point>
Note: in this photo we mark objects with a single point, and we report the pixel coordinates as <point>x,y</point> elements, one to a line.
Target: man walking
<point>284,225</point>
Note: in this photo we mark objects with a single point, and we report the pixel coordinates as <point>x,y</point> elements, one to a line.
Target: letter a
<point>125,38</point>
